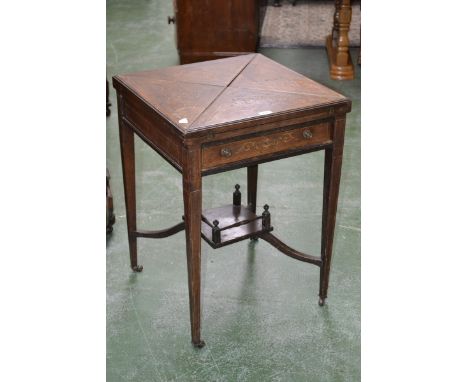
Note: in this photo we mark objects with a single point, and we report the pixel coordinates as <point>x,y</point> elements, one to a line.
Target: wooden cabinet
<point>208,29</point>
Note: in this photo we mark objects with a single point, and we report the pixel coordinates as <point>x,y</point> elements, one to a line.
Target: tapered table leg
<point>331,185</point>
<point>192,215</point>
<point>252,175</point>
<point>127,150</point>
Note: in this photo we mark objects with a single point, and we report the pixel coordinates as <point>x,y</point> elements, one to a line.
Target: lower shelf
<point>232,223</point>
<point>235,223</point>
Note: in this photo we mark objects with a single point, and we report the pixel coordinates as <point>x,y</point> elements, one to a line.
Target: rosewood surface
<point>218,115</point>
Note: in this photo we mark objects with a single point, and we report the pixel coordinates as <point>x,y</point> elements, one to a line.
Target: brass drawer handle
<point>307,134</point>
<point>225,152</point>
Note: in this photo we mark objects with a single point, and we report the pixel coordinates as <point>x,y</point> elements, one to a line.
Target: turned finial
<point>236,196</point>
<point>216,232</point>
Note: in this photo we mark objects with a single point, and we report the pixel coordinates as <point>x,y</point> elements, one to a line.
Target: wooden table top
<point>231,91</point>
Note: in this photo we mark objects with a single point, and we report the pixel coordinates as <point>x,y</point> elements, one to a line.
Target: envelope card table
<point>220,115</point>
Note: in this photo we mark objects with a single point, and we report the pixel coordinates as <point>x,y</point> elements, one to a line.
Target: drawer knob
<point>225,152</point>
<point>171,19</point>
<point>307,134</point>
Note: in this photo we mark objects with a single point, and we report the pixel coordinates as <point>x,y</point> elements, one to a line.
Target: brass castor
<point>199,345</point>
<point>137,268</point>
<point>321,301</point>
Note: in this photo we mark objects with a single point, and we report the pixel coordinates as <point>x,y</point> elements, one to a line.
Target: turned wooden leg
<point>336,18</point>
<point>341,65</point>
<point>344,22</point>
<point>331,185</point>
<point>192,214</point>
<point>127,150</point>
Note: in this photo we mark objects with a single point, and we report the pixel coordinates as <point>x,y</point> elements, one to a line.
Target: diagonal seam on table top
<point>227,86</point>
<point>284,68</point>
<point>137,92</point>
<point>255,88</point>
<point>277,91</point>
<point>252,62</point>
<point>259,118</point>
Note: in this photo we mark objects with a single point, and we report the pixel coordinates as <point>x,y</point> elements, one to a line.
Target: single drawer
<point>265,145</point>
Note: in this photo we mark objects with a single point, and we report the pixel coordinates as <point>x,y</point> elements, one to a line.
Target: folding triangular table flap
<point>179,102</point>
<point>216,72</point>
<point>263,73</point>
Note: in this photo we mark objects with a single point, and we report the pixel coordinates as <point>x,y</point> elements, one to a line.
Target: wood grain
<point>208,30</point>
<point>241,90</point>
<point>192,186</point>
<point>269,143</point>
<point>337,43</point>
<point>127,150</point>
